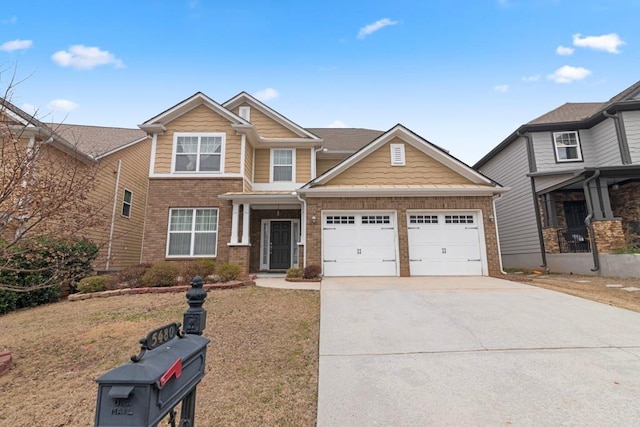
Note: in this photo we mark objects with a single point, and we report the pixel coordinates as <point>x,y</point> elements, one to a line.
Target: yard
<point>262,362</point>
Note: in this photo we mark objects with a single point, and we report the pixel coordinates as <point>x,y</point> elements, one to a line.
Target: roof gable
<point>437,159</point>
<point>245,98</point>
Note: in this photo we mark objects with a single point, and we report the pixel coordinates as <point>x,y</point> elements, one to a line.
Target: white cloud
<point>501,88</point>
<point>11,20</point>
<point>372,28</point>
<point>85,57</point>
<point>529,79</point>
<point>608,42</point>
<point>337,124</point>
<point>564,51</point>
<point>568,74</point>
<point>62,105</point>
<point>266,94</point>
<point>29,108</point>
<point>17,44</point>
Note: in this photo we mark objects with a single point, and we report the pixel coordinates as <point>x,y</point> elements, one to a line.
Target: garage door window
<point>458,219</point>
<point>376,219</point>
<point>338,219</point>
<point>423,219</point>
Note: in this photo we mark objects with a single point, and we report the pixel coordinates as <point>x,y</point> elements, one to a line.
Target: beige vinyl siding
<point>248,162</point>
<point>632,127</point>
<point>419,169</point>
<point>303,165</point>
<point>263,160</point>
<point>266,126</point>
<point>323,165</point>
<point>200,119</point>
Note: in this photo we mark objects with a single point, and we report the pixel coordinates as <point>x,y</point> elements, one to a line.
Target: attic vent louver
<point>245,113</point>
<point>397,155</point>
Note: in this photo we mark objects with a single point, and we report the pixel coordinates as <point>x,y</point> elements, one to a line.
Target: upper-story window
<point>127,200</point>
<point>282,165</point>
<point>195,152</point>
<point>567,146</point>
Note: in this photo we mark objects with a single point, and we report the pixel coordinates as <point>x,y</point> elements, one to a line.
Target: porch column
<point>245,224</point>
<point>234,223</point>
<point>607,213</point>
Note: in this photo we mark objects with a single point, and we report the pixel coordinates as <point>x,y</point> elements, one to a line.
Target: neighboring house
<point>118,157</point>
<point>574,175</point>
<point>239,182</point>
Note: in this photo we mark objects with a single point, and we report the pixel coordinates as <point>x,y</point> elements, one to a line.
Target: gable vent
<point>397,155</point>
<point>245,113</point>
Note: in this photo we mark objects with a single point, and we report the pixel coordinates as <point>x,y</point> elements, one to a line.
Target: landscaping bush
<point>130,277</point>
<point>92,284</point>
<point>312,271</point>
<point>228,272</point>
<point>161,274</point>
<point>294,273</point>
<point>199,267</point>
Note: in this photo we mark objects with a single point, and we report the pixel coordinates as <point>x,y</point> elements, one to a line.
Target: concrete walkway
<point>473,351</point>
<point>280,283</point>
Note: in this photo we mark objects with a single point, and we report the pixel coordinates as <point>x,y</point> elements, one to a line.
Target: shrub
<point>312,271</point>
<point>131,277</point>
<point>161,274</point>
<point>294,273</point>
<point>228,272</point>
<point>92,284</point>
<point>199,267</point>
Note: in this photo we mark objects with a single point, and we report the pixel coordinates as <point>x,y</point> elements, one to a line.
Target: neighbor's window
<point>567,145</point>
<point>198,153</point>
<point>192,232</point>
<point>127,199</point>
<point>282,161</point>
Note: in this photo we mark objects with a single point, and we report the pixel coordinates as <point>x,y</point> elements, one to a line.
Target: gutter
<point>587,220</point>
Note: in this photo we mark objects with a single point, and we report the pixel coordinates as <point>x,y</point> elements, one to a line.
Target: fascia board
<point>401,192</point>
<point>191,103</point>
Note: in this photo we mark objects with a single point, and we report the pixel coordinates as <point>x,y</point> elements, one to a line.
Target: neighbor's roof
<point>97,140</point>
<point>345,139</point>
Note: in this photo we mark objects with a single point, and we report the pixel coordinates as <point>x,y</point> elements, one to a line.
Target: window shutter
<point>397,155</point>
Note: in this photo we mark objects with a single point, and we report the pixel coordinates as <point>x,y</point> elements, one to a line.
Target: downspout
<point>495,223</point>
<point>113,215</point>
<point>303,226</point>
<point>587,220</point>
<point>621,136</point>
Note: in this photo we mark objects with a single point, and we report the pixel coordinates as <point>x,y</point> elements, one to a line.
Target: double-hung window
<point>127,200</point>
<point>567,146</point>
<point>198,152</point>
<point>282,165</point>
<point>192,232</point>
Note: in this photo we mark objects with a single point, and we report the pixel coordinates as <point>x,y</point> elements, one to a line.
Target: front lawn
<point>262,363</point>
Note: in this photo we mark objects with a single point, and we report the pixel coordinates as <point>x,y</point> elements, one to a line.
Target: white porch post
<point>234,223</point>
<point>245,224</point>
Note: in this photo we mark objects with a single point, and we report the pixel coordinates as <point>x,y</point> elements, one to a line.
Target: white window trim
<point>176,135</point>
<point>295,241</point>
<point>400,148</point>
<point>193,222</point>
<point>578,146</point>
<point>245,113</point>
<point>125,190</point>
<point>293,165</point>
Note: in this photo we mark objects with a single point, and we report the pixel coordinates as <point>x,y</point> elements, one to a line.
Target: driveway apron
<point>473,351</point>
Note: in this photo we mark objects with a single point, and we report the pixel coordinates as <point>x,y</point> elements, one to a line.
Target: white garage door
<point>359,244</point>
<point>444,244</point>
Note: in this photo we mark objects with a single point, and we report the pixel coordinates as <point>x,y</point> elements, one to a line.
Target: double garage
<point>368,243</point>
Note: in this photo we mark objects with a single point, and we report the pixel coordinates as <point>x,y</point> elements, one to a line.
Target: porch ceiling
<point>615,174</point>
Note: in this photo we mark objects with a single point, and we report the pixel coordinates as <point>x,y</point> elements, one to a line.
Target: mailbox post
<point>170,365</point>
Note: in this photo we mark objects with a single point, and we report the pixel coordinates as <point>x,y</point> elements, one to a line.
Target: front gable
<point>265,125</point>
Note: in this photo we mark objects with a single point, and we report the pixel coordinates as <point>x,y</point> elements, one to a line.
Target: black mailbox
<point>142,393</point>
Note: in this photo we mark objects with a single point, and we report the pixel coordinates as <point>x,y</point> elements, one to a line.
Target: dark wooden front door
<point>575,212</point>
<point>280,258</point>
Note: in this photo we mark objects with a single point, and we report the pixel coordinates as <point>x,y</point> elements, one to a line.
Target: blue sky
<point>463,74</point>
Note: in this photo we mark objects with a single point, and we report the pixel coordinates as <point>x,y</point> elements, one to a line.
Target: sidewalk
<point>280,283</point>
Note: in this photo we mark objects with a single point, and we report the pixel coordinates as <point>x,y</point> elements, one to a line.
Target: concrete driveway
<point>473,351</point>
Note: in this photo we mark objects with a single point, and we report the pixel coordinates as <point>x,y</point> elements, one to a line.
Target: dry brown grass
<point>590,287</point>
<point>262,363</point>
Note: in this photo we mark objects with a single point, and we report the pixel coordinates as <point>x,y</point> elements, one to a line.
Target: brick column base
<point>550,235</point>
<point>240,255</point>
<point>609,235</point>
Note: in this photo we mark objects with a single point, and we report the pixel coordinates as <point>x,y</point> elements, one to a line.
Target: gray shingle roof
<point>569,112</point>
<point>96,140</point>
<point>345,139</point>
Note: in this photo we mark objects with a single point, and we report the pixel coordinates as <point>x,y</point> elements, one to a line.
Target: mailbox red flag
<point>174,370</point>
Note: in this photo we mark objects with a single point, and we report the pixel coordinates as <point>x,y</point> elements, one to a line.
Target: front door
<point>280,249</point>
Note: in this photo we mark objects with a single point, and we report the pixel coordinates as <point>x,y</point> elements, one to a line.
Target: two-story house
<point>109,164</point>
<point>239,182</point>
<point>574,175</point>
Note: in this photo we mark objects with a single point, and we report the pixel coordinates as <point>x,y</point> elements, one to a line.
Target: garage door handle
<point>474,259</point>
<point>330,260</point>
<point>415,260</point>
<point>387,228</point>
<point>328,228</point>
<point>388,260</point>
<point>413,228</point>
<point>471,228</point>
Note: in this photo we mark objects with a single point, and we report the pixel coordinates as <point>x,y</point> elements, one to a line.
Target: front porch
<point>267,231</point>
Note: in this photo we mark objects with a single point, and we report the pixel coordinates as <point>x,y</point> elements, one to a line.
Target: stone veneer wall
<point>609,235</point>
<point>625,204</point>
<point>315,206</point>
<point>550,235</point>
<point>186,193</point>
